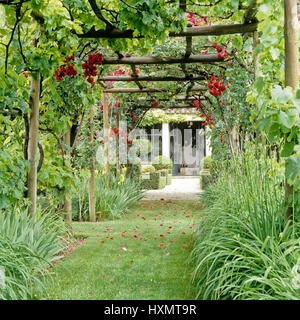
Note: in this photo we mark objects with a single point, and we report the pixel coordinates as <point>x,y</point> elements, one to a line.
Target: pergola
<point>249,26</point>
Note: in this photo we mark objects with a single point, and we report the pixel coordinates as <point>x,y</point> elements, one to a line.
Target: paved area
<point>181,189</point>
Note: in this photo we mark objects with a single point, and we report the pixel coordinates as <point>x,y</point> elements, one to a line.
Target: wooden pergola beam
<point>152,78</point>
<point>146,90</point>
<point>208,58</point>
<point>213,30</point>
<point>179,98</point>
<point>177,106</point>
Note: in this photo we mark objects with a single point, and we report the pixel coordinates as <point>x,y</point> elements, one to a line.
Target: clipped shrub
<point>142,146</point>
<point>154,181</point>
<point>205,179</point>
<point>148,169</point>
<point>169,179</point>
<point>207,162</point>
<point>134,170</point>
<point>164,172</point>
<point>162,162</point>
<point>213,166</point>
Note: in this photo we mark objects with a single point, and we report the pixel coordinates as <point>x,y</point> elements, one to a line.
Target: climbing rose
<point>155,104</point>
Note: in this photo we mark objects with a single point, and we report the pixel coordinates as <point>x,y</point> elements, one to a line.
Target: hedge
<point>153,181</point>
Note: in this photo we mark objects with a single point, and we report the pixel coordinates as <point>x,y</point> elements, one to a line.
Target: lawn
<point>141,256</point>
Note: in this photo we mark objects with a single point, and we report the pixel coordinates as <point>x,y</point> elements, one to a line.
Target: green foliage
<point>205,179</point>
<point>12,177</point>
<point>164,172</point>
<point>148,169</point>
<point>56,175</point>
<point>169,179</point>
<point>207,162</point>
<point>243,249</point>
<point>154,181</point>
<point>134,170</point>
<point>111,203</point>
<point>276,108</point>
<point>115,201</point>
<point>162,162</point>
<point>18,261</point>
<point>142,146</point>
<point>27,247</point>
<point>159,116</point>
<point>38,234</point>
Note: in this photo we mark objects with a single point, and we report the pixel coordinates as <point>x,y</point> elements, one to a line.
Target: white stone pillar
<point>165,140</point>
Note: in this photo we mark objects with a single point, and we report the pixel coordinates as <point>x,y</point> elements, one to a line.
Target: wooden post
<point>68,201</point>
<point>291,44</point>
<point>118,118</point>
<point>255,56</point>
<point>92,198</point>
<point>33,142</point>
<point>260,135</point>
<point>291,66</point>
<point>106,137</point>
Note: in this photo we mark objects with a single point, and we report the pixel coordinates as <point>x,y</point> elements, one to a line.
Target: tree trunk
<point>291,68</point>
<point>68,200</point>
<point>92,198</point>
<point>33,142</point>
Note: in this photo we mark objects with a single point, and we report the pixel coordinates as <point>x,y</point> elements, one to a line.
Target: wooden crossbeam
<point>146,90</point>
<point>152,78</point>
<point>212,30</point>
<point>180,105</point>
<point>208,58</point>
<point>179,98</point>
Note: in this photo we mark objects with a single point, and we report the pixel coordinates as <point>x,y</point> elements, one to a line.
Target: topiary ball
<point>148,169</point>
<point>207,162</point>
<point>162,162</point>
<point>142,146</point>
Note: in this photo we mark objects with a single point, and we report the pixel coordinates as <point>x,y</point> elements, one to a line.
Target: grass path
<point>142,256</point>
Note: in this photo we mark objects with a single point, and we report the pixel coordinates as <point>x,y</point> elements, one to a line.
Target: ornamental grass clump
<point>111,202</point>
<point>27,247</point>
<point>243,249</point>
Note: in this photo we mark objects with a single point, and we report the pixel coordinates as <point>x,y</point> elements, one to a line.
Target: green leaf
<point>259,84</point>
<point>293,168</point>
<point>285,120</point>
<point>288,149</point>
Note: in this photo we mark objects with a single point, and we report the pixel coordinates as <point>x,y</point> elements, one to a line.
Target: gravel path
<point>180,189</point>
